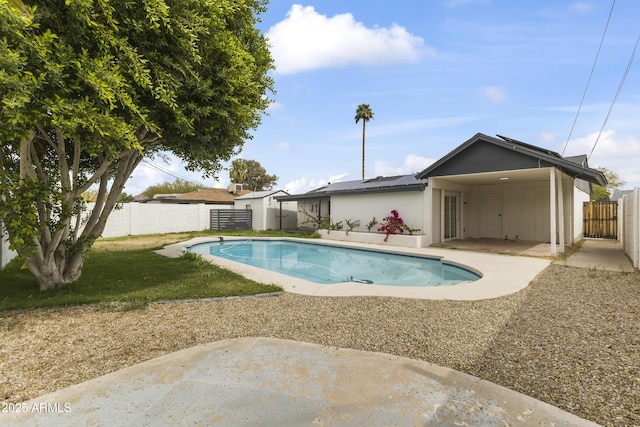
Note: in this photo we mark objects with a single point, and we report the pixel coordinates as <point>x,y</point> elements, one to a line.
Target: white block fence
<point>134,219</point>
<point>629,222</point>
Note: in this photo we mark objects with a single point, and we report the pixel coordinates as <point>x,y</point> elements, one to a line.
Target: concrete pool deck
<point>501,274</point>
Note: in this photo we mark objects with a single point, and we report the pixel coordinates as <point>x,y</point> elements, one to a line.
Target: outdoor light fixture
<point>504,178</point>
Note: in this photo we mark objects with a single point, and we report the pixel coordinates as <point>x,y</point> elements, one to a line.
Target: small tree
<point>252,174</point>
<point>179,186</point>
<point>614,182</point>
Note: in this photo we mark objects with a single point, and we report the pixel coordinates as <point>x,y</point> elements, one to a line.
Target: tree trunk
<point>364,121</point>
<point>57,270</point>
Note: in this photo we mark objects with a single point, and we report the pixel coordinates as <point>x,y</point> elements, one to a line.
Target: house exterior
<point>485,188</point>
<point>267,212</point>
<point>363,200</point>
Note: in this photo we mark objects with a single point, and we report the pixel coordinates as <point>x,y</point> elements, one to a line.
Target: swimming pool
<point>325,264</point>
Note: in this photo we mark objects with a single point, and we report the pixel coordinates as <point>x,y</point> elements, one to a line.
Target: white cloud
<point>307,40</point>
<point>283,146</point>
<point>275,106</point>
<point>549,138</point>
<point>304,184</point>
<point>614,152</point>
<point>581,6</point>
<point>495,94</point>
<point>411,164</point>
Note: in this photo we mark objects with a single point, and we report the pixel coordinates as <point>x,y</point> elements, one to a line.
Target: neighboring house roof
<point>617,194</point>
<point>208,196</point>
<point>259,194</point>
<point>483,153</point>
<point>381,184</point>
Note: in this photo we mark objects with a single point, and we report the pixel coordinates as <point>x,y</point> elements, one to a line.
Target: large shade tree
<point>90,87</point>
<point>252,174</point>
<point>364,113</point>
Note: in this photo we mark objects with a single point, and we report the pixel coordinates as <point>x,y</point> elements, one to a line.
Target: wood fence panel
<point>600,220</point>
<point>229,219</point>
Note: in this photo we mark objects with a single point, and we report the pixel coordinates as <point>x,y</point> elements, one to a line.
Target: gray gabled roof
<point>483,153</point>
<point>617,194</point>
<point>380,184</point>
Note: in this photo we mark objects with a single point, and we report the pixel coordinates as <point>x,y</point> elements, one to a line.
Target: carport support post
<point>552,210</point>
<point>560,211</point>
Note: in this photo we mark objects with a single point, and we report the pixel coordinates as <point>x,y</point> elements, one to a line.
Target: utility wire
<point>168,172</point>
<point>589,80</point>
<point>624,77</point>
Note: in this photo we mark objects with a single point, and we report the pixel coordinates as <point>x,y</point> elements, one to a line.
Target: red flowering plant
<point>393,224</point>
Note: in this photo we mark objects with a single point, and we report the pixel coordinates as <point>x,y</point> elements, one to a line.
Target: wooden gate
<point>228,219</point>
<point>601,220</point>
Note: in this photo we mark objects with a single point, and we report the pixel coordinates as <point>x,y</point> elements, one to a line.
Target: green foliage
<point>364,113</point>
<point>252,175</point>
<point>123,280</point>
<point>371,224</point>
<point>614,182</point>
<point>351,224</point>
<point>178,186</point>
<point>88,88</point>
<point>320,223</point>
<point>92,196</point>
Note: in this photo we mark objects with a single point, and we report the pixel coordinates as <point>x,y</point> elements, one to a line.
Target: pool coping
<point>501,274</point>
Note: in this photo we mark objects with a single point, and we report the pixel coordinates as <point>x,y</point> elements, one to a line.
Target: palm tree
<point>365,114</point>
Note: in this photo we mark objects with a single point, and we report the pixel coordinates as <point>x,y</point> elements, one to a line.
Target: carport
<point>501,188</point>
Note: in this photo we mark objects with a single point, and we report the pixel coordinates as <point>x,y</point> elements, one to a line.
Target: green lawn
<point>125,273</point>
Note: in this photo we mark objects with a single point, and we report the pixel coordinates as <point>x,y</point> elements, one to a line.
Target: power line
<point>624,77</point>
<point>593,67</point>
<point>168,172</point>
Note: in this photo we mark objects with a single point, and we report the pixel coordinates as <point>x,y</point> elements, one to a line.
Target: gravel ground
<point>572,338</point>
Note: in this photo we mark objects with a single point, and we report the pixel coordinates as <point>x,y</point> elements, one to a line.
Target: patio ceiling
<point>498,177</point>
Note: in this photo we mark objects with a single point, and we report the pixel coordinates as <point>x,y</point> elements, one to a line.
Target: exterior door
<point>451,206</point>
<point>491,215</point>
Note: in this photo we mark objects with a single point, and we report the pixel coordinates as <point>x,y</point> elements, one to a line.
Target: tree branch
<point>45,136</point>
<point>76,162</point>
<point>26,167</point>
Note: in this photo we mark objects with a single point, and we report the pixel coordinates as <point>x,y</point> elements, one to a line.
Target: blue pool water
<point>332,264</point>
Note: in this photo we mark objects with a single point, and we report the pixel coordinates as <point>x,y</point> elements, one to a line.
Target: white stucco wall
<point>6,254</point>
<point>365,207</point>
<point>289,215</point>
<point>580,197</point>
<point>258,211</point>
<point>631,226</point>
<point>313,207</point>
<point>266,211</point>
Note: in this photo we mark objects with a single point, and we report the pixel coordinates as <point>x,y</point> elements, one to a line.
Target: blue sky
<point>435,73</point>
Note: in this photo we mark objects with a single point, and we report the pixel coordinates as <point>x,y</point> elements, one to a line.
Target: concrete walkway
<point>269,382</point>
<point>601,254</point>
